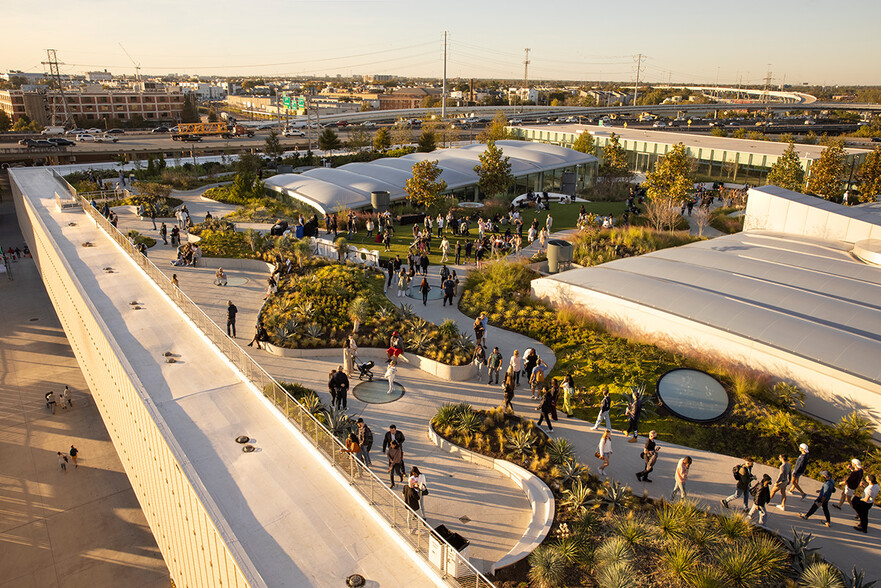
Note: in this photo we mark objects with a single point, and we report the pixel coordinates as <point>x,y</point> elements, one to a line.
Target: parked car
<point>191,138</point>
<point>174,129</point>
<point>264,127</point>
<point>85,137</point>
<point>160,130</point>
<point>293,133</point>
<point>116,132</point>
<point>106,138</point>
<point>94,131</point>
<point>62,142</point>
<point>76,131</point>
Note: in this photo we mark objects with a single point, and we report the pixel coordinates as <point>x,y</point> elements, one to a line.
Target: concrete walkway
<point>77,529</point>
<point>497,514</point>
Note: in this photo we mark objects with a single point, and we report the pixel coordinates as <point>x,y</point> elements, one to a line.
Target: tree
<point>273,147</point>
<point>402,134</point>
<point>190,113</point>
<point>248,163</point>
<point>425,188</point>
<point>827,172</point>
<point>496,130</point>
<point>787,171</point>
<point>137,122</point>
<point>427,142</point>
<point>672,179</point>
<point>870,176</point>
<point>212,115</point>
<point>328,140</point>
<point>493,171</point>
<point>5,121</point>
<point>584,143</point>
<point>614,159</point>
<point>382,140</point>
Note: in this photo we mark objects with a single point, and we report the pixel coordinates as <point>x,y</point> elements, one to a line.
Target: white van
<point>53,131</point>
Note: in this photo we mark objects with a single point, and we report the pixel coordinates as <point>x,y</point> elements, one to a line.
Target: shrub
<point>548,567</point>
<point>820,575</point>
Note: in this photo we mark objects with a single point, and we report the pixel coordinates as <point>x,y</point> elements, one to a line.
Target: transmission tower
<point>55,77</point>
<point>765,96</point>
<point>639,59</point>
<point>526,70</point>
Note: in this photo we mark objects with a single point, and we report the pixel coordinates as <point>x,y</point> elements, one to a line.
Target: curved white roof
<point>350,185</point>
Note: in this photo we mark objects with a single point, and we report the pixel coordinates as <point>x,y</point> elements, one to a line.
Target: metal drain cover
<point>465,519</point>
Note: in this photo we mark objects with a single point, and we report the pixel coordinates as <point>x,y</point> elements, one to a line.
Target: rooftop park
<point>764,418</point>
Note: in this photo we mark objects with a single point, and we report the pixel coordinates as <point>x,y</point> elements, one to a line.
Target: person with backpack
<point>850,484</point>
<point>365,440</point>
<point>605,407</point>
<point>822,500</point>
<point>743,473</point>
<point>761,497</point>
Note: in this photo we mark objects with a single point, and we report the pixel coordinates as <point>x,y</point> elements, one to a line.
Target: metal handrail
<point>387,503</point>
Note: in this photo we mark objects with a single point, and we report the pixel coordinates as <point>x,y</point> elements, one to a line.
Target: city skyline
<point>682,41</point>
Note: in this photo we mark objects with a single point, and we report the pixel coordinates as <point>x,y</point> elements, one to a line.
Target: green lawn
<point>565,217</point>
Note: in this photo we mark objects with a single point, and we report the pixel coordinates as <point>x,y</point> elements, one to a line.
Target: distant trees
<point>272,147</point>
<point>673,177</point>
<point>614,159</point>
<point>496,130</point>
<point>212,115</point>
<point>427,142</point>
<point>787,171</point>
<point>358,139</point>
<point>328,140</point>
<point>382,140</point>
<point>493,171</point>
<point>190,112</point>
<point>425,188</point>
<point>827,173</point>
<point>870,176</point>
<point>584,143</point>
<point>5,121</point>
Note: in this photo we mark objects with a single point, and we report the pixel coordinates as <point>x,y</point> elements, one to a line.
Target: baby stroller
<point>364,370</point>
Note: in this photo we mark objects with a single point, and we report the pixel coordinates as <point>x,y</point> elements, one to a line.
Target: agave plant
<point>463,342</point>
<point>313,404</point>
<point>339,423</point>
<point>857,579</point>
<point>820,575</point>
<point>406,311</point>
<point>571,469</point>
<point>798,548</point>
<point>417,323</point>
<point>419,341</point>
<point>304,308</point>
<point>578,496</point>
<point>560,450</point>
<point>384,312</point>
<point>468,423</point>
<point>547,567</point>
<point>521,442</point>
<point>614,496</point>
<point>314,330</point>
<point>448,328</point>
<point>286,330</point>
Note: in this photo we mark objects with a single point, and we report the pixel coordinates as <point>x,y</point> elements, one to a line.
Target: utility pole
<point>444,91</point>
<point>525,80</point>
<point>55,75</point>
<point>639,60</point>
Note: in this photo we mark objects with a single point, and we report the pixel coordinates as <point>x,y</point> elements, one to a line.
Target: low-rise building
<point>94,104</point>
<point>407,98</point>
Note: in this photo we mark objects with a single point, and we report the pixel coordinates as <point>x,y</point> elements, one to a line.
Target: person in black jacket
<point>231,311</point>
<point>341,383</point>
<point>605,407</point>
<point>411,499</point>
<point>650,456</point>
<point>547,403</point>
<point>744,477</point>
<point>761,499</point>
<point>392,434</point>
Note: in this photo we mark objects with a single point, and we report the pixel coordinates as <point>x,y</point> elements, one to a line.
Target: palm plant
<point>254,239</point>
<point>468,423</point>
<point>820,575</point>
<point>521,442</point>
<point>448,414</point>
<point>359,311</point>
<point>548,567</point>
<point>855,428</point>
<point>342,248</point>
<point>302,250</point>
<point>578,496</point>
<point>560,450</point>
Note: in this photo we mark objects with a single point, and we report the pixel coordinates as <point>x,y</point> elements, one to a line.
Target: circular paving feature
<point>436,293</point>
<point>693,395</point>
<point>376,392</point>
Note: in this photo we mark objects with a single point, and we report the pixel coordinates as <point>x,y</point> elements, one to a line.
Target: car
<point>191,138</point>
<point>116,132</point>
<point>160,130</point>
<point>61,142</point>
<point>85,137</point>
<point>94,131</point>
<point>174,129</point>
<point>515,121</point>
<point>44,143</point>
<point>293,133</point>
<point>660,125</point>
<point>265,127</point>
<point>76,131</point>
<point>106,138</point>
<point>368,125</point>
<point>809,122</point>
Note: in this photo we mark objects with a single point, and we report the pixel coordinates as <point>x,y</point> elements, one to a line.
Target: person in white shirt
<point>862,506</point>
<point>604,449</point>
<point>516,364</point>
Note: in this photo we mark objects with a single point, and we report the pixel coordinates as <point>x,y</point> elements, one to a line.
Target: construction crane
<point>137,65</point>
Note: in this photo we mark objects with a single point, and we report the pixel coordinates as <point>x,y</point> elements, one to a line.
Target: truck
<point>240,131</point>
<point>53,131</point>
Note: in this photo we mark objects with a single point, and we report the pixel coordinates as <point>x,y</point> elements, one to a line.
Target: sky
<point>818,42</point>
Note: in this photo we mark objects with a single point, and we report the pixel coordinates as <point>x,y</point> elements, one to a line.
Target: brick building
<point>406,98</point>
<point>95,104</point>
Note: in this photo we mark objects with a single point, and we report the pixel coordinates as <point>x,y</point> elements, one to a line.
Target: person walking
<point>862,505</point>
<point>634,409</point>
<point>508,387</point>
<point>352,445</point>
<point>568,389</point>
<point>231,311</point>
<point>494,364</point>
<point>331,386</point>
<point>479,358</point>
<point>445,249</point>
<point>784,477</point>
<point>50,401</point>
<point>391,371</point>
<point>604,451</point>
<point>62,461</point>
<point>537,379</point>
<point>458,253</point>
<point>743,473</point>
<point>545,409</point>
<point>365,440</point>
<point>395,454</point>
<point>649,456</point>
<point>174,281</point>
<point>341,382</point>
<point>479,330</point>
<point>681,477</point>
<point>605,407</point>
<point>393,434</point>
<point>74,452</point>
<point>515,365</point>
<point>65,398</point>
<point>163,232</point>
<point>449,287</point>
<point>822,500</point>
<point>412,498</point>
<point>424,288</point>
<point>850,484</point>
<point>801,464</point>
<point>403,281</point>
<point>421,486</point>
<point>350,352</point>
<point>761,500</point>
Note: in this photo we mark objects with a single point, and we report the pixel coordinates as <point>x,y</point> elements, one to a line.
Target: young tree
<point>827,172</point>
<point>248,163</point>
<point>273,147</point>
<point>584,143</point>
<point>496,130</point>
<point>425,187</point>
<point>427,142</point>
<point>493,171</point>
<point>5,121</point>
<point>402,134</point>
<point>870,176</point>
<point>382,140</point>
<point>358,139</point>
<point>673,178</point>
<point>787,171</point>
<point>328,140</point>
<point>212,115</point>
<point>614,159</point>
<point>190,113</point>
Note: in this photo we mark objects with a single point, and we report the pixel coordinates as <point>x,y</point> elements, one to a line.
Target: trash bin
<point>559,255</point>
<point>450,561</point>
<point>298,231</point>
